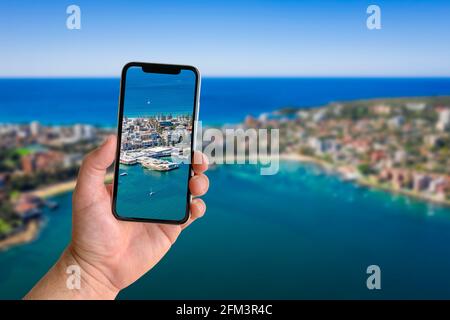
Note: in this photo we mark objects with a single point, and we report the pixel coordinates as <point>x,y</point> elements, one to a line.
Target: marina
<point>151,158</point>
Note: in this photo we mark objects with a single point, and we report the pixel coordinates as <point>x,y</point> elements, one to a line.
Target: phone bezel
<point>167,68</point>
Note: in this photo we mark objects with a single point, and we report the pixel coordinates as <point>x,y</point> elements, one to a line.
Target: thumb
<point>93,170</point>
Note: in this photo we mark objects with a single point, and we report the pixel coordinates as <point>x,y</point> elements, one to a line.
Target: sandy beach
<point>32,228</point>
<point>303,158</point>
<point>28,234</point>
<point>62,187</point>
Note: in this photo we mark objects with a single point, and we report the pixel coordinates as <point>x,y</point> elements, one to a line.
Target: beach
<point>62,187</point>
<point>32,228</point>
<point>26,235</point>
<point>304,158</point>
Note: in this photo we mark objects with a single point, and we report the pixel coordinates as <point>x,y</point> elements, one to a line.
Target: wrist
<point>83,278</point>
<point>73,278</point>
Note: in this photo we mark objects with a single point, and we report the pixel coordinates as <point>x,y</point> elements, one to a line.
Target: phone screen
<point>156,120</point>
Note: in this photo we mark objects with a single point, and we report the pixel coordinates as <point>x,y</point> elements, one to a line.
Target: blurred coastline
<point>39,160</point>
<point>397,144</point>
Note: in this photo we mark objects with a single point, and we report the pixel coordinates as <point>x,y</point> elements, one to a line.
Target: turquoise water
<point>299,234</point>
<point>169,192</point>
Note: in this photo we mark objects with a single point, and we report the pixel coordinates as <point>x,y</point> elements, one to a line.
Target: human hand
<point>112,254</point>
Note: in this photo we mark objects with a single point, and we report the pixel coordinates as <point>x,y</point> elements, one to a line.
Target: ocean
<point>302,233</point>
<point>223,100</point>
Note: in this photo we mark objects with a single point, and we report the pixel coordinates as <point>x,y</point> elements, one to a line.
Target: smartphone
<point>158,111</point>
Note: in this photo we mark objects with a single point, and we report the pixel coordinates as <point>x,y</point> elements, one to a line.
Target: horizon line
<point>10,77</point>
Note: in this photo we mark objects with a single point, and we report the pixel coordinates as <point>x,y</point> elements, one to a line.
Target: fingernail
<point>200,205</point>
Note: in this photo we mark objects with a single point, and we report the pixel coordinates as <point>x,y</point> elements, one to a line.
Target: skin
<point>112,254</point>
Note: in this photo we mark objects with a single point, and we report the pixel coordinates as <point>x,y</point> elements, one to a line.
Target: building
<point>443,123</point>
<point>72,160</point>
<point>28,207</point>
<point>396,122</point>
<point>320,115</point>
<point>83,132</point>
<point>42,161</point>
<point>263,117</point>
<point>35,128</point>
<point>421,182</point>
<point>438,185</point>
<point>89,132</point>
<point>377,156</point>
<point>432,140</point>
<point>400,156</point>
<point>400,179</point>
<point>251,122</point>
<point>416,106</point>
<point>157,152</point>
<point>321,146</point>
<point>382,109</point>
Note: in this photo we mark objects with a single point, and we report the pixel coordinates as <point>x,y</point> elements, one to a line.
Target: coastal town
<point>37,161</point>
<point>148,140</point>
<point>400,145</point>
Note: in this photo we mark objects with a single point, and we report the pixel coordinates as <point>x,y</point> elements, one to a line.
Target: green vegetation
<point>307,151</point>
<point>23,151</point>
<point>30,182</point>
<point>9,160</point>
<point>8,219</point>
<point>327,158</point>
<point>5,227</point>
<point>365,169</point>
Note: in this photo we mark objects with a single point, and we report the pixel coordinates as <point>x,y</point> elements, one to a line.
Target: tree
<point>365,169</point>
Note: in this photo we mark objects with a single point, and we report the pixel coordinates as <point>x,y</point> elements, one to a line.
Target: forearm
<point>72,279</point>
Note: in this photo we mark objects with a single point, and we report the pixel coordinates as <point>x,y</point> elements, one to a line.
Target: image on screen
<point>155,145</point>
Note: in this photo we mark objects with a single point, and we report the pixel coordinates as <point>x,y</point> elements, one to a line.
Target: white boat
<point>127,160</point>
<point>159,165</point>
<point>123,174</point>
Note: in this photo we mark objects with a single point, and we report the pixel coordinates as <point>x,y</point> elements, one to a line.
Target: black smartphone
<point>158,110</point>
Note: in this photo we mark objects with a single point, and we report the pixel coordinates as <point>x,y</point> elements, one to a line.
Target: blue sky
<point>230,38</point>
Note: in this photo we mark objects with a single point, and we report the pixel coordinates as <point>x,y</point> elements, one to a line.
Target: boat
<point>52,205</point>
<point>160,165</point>
<point>123,174</point>
<point>127,160</point>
